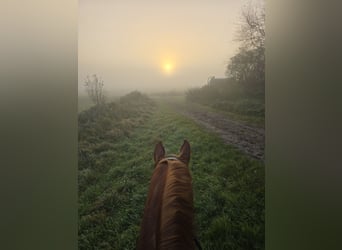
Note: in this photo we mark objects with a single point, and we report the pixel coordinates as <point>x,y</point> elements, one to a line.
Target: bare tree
<point>252,28</point>
<point>94,87</point>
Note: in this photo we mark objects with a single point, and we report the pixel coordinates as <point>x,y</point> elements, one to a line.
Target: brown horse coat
<point>168,216</point>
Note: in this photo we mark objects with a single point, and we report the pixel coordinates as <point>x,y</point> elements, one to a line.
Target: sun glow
<point>168,67</point>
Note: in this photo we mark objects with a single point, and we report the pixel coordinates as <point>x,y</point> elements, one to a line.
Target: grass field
<point>114,178</point>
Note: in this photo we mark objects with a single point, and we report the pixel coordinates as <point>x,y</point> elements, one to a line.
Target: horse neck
<point>168,215</point>
<point>150,226</point>
<point>177,209</point>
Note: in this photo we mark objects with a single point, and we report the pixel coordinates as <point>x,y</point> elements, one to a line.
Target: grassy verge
<point>235,99</point>
<point>182,102</point>
<point>84,103</point>
<point>228,187</point>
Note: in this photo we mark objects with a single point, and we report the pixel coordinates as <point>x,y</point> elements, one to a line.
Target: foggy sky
<point>127,42</point>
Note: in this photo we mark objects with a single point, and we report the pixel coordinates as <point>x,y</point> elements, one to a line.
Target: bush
<point>100,128</point>
<point>229,96</point>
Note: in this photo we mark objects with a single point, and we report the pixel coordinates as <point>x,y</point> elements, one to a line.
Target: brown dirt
<point>247,138</point>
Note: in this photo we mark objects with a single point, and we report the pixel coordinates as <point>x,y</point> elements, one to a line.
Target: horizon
<point>155,47</point>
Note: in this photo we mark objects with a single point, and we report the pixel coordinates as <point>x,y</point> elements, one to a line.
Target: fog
<point>155,46</point>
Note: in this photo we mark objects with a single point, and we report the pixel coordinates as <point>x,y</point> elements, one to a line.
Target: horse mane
<point>177,209</point>
<point>168,214</point>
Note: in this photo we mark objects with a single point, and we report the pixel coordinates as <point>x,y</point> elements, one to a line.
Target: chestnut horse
<point>168,216</point>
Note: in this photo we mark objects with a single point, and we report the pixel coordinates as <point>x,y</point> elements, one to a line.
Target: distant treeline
<point>228,95</point>
<point>243,90</point>
<point>168,93</point>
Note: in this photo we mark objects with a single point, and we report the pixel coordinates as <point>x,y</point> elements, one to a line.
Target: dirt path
<point>248,139</point>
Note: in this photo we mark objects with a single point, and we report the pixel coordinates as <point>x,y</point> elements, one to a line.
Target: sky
<point>154,46</point>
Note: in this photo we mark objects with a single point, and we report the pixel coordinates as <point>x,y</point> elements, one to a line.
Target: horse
<point>169,212</point>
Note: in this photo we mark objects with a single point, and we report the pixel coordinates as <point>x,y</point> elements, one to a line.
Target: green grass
<point>228,186</point>
<point>182,102</point>
<point>239,101</point>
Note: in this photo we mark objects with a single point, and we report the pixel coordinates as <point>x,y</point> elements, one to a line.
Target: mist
<point>155,46</point>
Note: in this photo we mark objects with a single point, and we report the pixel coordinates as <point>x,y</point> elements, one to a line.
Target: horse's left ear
<point>159,152</point>
<point>184,154</point>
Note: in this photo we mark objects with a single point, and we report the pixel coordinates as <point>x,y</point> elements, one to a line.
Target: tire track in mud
<point>247,138</point>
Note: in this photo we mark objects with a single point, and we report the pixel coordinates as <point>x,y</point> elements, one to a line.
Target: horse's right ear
<point>159,152</point>
<point>184,154</point>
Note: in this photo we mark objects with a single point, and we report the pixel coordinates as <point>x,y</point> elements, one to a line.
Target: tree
<point>252,28</point>
<point>94,87</point>
<point>247,67</point>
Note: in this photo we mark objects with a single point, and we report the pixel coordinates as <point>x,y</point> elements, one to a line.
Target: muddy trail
<point>247,138</point>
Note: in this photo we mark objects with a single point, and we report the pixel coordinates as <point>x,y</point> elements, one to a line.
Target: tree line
<point>244,86</point>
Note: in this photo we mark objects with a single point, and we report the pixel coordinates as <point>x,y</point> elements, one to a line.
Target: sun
<point>168,67</point>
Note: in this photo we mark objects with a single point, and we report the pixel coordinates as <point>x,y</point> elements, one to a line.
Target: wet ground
<point>247,138</point>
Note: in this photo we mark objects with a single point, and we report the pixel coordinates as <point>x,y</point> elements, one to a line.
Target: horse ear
<point>184,155</point>
<point>159,152</point>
